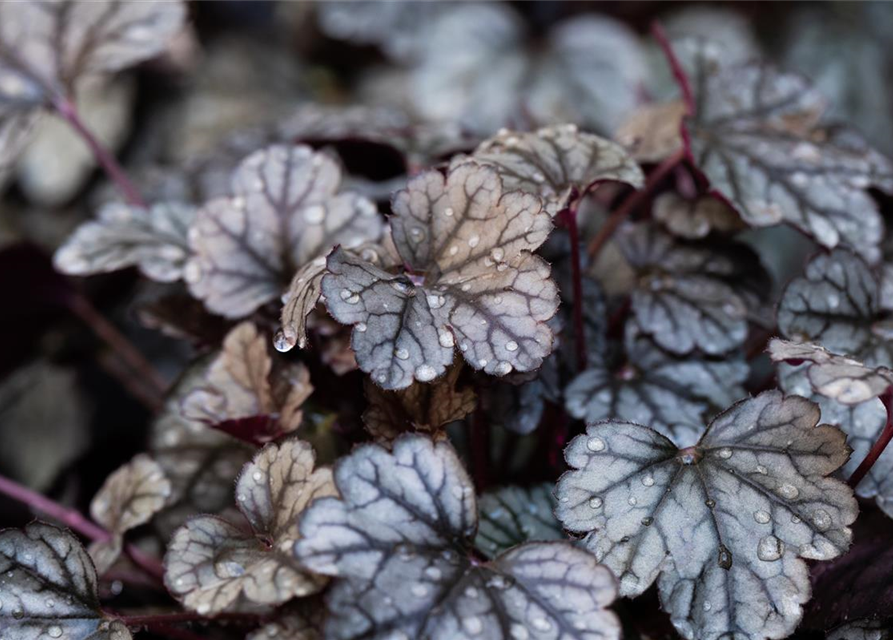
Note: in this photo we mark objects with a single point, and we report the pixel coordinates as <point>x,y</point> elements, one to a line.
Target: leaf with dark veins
<point>211,564</point>
<point>397,542</point>
<point>153,239</point>
<point>689,296</point>
<point>130,496</point>
<point>555,162</point>
<point>673,396</point>
<point>474,282</point>
<point>284,211</point>
<point>49,588</point>
<point>721,525</point>
<point>755,136</point>
<point>514,515</point>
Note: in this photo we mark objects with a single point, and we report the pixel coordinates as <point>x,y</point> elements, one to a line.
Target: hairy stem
<point>75,521</point>
<point>68,112</point>
<point>632,201</point>
<point>879,445</point>
<point>123,348</point>
<point>569,217</point>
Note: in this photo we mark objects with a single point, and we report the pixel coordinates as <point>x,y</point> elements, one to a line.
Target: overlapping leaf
<point>653,131</point>
<point>47,48</point>
<point>693,219</point>
<point>419,407</point>
<point>556,162</point>
<point>129,497</point>
<point>212,564</point>
<point>398,542</point>
<point>514,515</point>
<point>474,282</point>
<point>691,296</point>
<point>755,135</point>
<point>838,305</point>
<point>153,239</point>
<point>862,630</point>
<point>284,212</point>
<point>241,384</point>
<point>673,396</point>
<point>48,588</point>
<point>722,525</point>
<point>476,68</point>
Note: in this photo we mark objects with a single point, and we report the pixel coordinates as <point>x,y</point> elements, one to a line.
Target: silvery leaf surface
<point>514,515</point>
<point>723,526</point>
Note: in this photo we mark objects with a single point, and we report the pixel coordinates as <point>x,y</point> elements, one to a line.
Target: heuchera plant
<point>535,375</point>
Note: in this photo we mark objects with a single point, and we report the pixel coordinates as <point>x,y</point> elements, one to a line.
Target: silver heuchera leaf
<point>862,630</point>
<point>721,525</point>
<point>49,588</point>
<point>513,515</point>
<point>129,498</point>
<point>153,239</point>
<point>834,376</point>
<point>754,135</point>
<point>687,295</point>
<point>474,282</point>
<point>554,162</point>
<point>211,563</point>
<point>673,396</point>
<point>284,212</point>
<point>397,540</point>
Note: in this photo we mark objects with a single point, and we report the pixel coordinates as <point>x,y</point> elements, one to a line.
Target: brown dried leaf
<point>653,131</point>
<point>694,219</point>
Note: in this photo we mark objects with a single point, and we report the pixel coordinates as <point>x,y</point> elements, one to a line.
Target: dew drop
<point>762,517</point>
<point>435,301</point>
<point>511,345</point>
<point>833,300</point>
<point>434,573</point>
<point>425,373</point>
<point>647,522</point>
<point>503,368</point>
<point>454,250</point>
<point>446,340</point>
<point>595,502</point>
<point>770,549</point>
<point>595,444</point>
<point>710,502</point>
<point>483,362</point>
<point>821,519</point>
<point>55,631</point>
<point>538,177</point>
<point>632,501</point>
<point>497,254</point>
<point>519,632</point>
<point>417,234</point>
<point>257,476</point>
<point>349,296</point>
<point>707,606</point>
<point>725,453</point>
<point>474,241</point>
<point>314,214</point>
<point>284,340</point>
<point>724,557</point>
<point>473,625</point>
<point>448,212</point>
<point>466,287</point>
<point>401,353</point>
<point>761,470</point>
<point>361,327</point>
<point>540,624</point>
<point>796,519</point>
<point>648,481</point>
<point>472,592</point>
<point>18,614</point>
<point>419,590</point>
<point>788,491</point>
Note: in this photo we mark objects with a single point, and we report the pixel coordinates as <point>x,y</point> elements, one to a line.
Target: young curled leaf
<point>419,407</point>
<point>556,162</point>
<point>284,212</point>
<point>153,239</point>
<point>129,498</point>
<point>755,135</point>
<point>473,282</point>
<point>241,384</point>
<point>840,378</point>
<point>514,515</point>
<point>693,219</point>
<point>49,588</point>
<point>721,525</point>
<point>673,396</point>
<point>689,296</point>
<point>398,543</point>
<point>210,563</point>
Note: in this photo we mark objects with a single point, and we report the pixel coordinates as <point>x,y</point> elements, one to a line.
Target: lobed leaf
<point>128,498</point>
<point>512,515</point>
<point>284,212</point>
<point>49,588</point>
<point>474,282</point>
<point>721,525</point>
<point>556,163</point>
<point>212,564</point>
<point>153,239</point>
<point>398,539</point>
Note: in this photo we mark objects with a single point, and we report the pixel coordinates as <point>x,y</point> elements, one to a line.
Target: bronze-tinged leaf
<point>211,564</point>
<point>397,542</point>
<point>419,407</point>
<point>653,132</point>
<point>49,588</point>
<point>697,218</point>
<point>241,383</point>
<point>724,526</point>
<point>153,239</point>
<point>284,212</point>
<point>130,497</point>
<point>483,289</point>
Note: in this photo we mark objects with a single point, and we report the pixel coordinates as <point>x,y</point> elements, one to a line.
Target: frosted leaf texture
<point>48,589</point>
<point>397,542</point>
<point>556,162</point>
<point>723,525</point>
<point>284,211</point>
<point>155,239</point>
<point>755,135</point>
<point>474,282</point>
<point>211,563</point>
